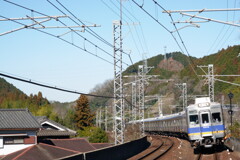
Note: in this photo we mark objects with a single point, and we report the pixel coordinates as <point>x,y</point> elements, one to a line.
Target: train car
<point>174,125</point>
<point>201,123</point>
<point>205,123</point>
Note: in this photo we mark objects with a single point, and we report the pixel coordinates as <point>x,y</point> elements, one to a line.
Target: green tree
<point>94,134</point>
<point>83,116</point>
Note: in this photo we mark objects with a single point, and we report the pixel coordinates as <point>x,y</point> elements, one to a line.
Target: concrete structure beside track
<point>117,152</point>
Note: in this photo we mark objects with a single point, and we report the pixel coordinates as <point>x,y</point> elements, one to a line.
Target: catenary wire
<point>127,25</point>
<point>92,32</point>
<point>51,87</point>
<point>83,49</point>
<point>85,39</point>
<point>191,61</point>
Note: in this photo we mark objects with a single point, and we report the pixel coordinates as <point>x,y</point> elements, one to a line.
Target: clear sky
<point>31,54</point>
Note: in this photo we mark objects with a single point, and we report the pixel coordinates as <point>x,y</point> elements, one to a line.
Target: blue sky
<point>37,56</point>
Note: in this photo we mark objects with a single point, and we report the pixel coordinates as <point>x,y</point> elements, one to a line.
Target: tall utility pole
<point>134,101</point>
<point>106,119</point>
<point>142,71</point>
<point>100,118</point>
<point>118,82</point>
<point>141,76</point>
<point>160,103</point>
<point>210,80</point>
<point>183,87</point>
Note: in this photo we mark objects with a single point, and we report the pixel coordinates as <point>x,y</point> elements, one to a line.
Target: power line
<point>51,87</point>
<point>180,38</point>
<point>92,32</point>
<point>110,8</point>
<point>85,39</point>
<point>170,33</point>
<point>140,42</point>
<point>83,49</point>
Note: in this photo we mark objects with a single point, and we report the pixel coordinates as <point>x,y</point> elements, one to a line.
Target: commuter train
<point>201,123</point>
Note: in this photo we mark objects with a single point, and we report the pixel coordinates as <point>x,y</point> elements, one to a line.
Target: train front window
<point>216,117</point>
<point>193,119</point>
<point>205,118</point>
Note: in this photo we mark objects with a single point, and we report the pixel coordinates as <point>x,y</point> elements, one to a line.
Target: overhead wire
<point>221,42</point>
<point>85,39</point>
<point>191,61</point>
<point>130,28</point>
<point>144,39</point>
<point>51,87</point>
<point>76,32</point>
<point>233,28</point>
<point>180,37</point>
<point>83,49</point>
<point>125,21</point>
<point>87,28</point>
<point>92,32</point>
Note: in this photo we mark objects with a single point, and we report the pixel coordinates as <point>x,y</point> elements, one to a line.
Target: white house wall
<point>13,148</point>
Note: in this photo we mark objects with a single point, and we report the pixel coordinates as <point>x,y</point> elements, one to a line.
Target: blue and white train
<point>202,123</point>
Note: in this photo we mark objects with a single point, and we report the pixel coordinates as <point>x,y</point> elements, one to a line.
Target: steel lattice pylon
<point>183,87</point>
<point>211,82</point>
<point>134,101</point>
<point>141,76</point>
<point>118,84</point>
<point>184,92</point>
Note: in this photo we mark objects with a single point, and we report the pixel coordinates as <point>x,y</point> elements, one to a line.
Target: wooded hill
<point>175,66</point>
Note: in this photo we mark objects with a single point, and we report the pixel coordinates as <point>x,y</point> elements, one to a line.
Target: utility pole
<point>183,87</point>
<point>141,76</point>
<point>118,82</point>
<point>100,118</point>
<point>106,119</point>
<point>134,101</point>
<point>142,71</point>
<point>97,118</point>
<point>210,80</point>
<point>160,103</point>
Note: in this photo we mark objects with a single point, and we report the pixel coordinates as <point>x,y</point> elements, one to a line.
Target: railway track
<point>213,156</point>
<point>160,146</point>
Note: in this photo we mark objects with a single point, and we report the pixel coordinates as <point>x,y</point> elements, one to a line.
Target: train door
<point>206,126</point>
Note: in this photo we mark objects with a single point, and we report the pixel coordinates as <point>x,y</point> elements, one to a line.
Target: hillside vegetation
<point>173,69</point>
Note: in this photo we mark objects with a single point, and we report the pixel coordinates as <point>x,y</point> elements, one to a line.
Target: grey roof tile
<point>17,119</point>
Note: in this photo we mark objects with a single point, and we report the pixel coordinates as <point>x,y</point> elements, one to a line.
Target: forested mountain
<point>173,67</point>
<point>11,97</point>
<point>225,62</point>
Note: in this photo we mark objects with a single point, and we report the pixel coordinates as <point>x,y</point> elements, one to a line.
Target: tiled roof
<point>50,132</point>
<point>76,144</point>
<point>17,119</point>
<point>40,152</point>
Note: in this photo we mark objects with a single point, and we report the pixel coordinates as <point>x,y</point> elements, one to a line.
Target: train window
<point>205,118</point>
<point>216,117</point>
<point>193,119</point>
